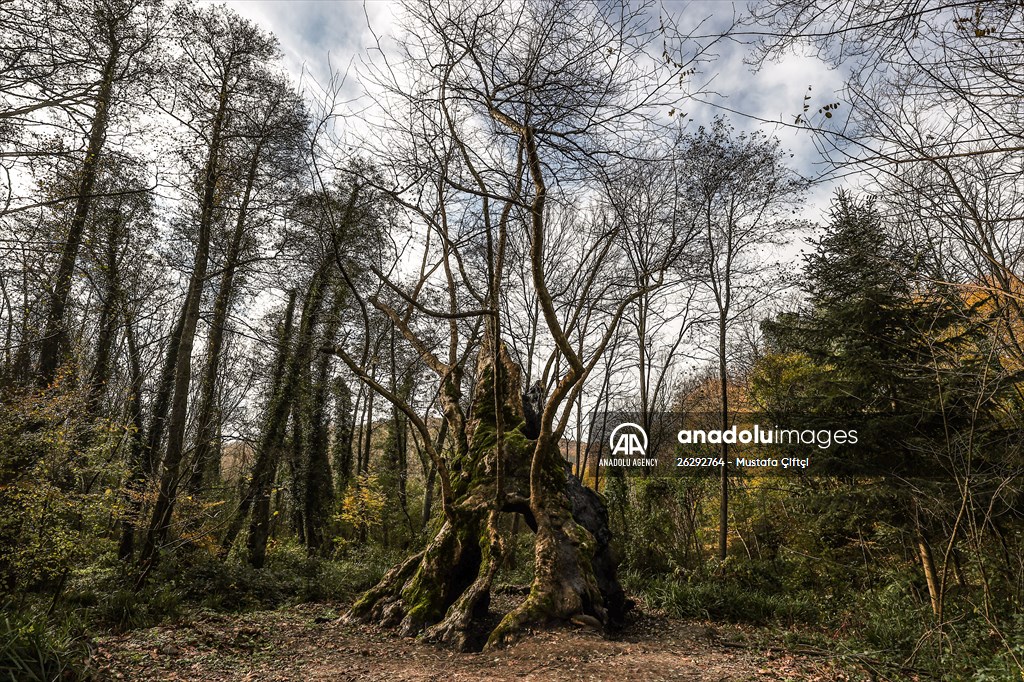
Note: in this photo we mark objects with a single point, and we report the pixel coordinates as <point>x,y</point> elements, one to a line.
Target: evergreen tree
<point>891,353</point>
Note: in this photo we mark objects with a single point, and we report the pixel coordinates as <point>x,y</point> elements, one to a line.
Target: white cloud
<point>320,35</point>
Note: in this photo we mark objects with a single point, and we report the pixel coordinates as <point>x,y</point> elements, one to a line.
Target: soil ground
<point>310,642</point>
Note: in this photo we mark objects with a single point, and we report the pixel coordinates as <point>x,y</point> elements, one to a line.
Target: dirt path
<point>308,643</point>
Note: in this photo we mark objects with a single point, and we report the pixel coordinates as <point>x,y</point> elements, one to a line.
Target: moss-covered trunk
<point>439,592</point>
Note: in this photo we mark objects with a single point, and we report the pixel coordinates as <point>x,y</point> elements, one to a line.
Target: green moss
<point>423,598</point>
<point>516,444</point>
<point>364,603</point>
<point>511,400</point>
<point>584,540</point>
<point>552,473</point>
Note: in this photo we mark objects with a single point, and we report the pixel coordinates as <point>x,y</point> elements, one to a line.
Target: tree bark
<point>319,485</point>
<point>298,372</point>
<point>162,401</point>
<point>136,451</point>
<point>367,434</point>
<point>341,448</point>
<point>930,576</point>
<point>108,318</point>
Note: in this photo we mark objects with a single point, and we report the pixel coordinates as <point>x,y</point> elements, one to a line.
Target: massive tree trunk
<point>440,591</point>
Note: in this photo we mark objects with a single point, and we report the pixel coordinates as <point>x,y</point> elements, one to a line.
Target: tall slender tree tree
<point>220,55</point>
<point>743,198</point>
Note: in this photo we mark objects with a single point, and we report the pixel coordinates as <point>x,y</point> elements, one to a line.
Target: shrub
<point>127,609</point>
<point>34,650</point>
<point>726,599</point>
<point>289,577</point>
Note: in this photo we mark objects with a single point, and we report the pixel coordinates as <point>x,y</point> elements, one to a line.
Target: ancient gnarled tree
<point>503,123</point>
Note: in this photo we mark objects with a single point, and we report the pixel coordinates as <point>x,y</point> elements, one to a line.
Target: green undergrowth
<point>40,643</point>
<point>289,577</point>
<point>726,601</point>
<point>885,628</point>
<point>41,649</point>
<point>516,571</point>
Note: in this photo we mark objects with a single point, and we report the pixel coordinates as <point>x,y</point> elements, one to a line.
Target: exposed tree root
<point>456,629</point>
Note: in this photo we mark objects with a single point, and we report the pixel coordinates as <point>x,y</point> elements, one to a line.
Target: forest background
<point>271,330</point>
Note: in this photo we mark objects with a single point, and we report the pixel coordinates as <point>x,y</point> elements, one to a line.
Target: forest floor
<point>309,642</point>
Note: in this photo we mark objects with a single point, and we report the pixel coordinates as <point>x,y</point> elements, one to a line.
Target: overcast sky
<point>318,35</point>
